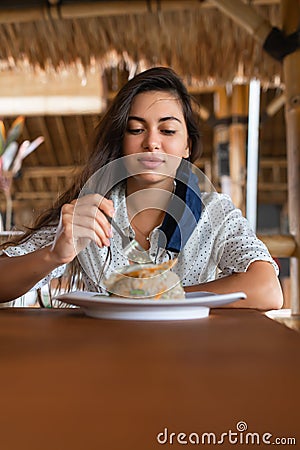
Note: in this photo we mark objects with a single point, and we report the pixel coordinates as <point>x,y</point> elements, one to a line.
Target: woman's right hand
<point>81,222</point>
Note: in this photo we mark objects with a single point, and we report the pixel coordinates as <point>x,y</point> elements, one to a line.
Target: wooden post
<point>222,111</point>
<point>291,65</point>
<point>237,144</point>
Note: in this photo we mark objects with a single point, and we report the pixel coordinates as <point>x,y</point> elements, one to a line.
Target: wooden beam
<point>36,195</point>
<point>272,161</point>
<point>275,105</point>
<point>93,9</point>
<point>41,93</point>
<point>245,16</point>
<point>49,105</point>
<point>49,171</point>
<point>280,246</point>
<point>83,138</point>
<point>62,136</point>
<point>43,84</point>
<point>39,184</point>
<point>102,8</point>
<point>291,66</point>
<point>271,186</point>
<point>48,142</point>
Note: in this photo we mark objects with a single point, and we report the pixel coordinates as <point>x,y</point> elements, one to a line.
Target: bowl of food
<point>141,281</point>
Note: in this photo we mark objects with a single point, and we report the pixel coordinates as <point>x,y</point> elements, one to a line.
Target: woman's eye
<point>168,132</point>
<point>135,130</point>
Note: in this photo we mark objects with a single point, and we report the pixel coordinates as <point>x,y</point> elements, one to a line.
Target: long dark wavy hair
<point>109,134</point>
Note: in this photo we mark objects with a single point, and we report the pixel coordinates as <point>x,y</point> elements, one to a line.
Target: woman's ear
<point>186,152</point>
<point>187,149</point>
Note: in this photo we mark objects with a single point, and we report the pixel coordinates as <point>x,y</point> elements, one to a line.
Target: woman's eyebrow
<point>163,119</point>
<point>138,119</point>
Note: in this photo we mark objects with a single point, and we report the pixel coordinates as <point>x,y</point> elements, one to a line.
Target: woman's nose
<point>151,142</point>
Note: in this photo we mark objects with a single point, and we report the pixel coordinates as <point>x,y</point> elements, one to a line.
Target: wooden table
<point>69,382</point>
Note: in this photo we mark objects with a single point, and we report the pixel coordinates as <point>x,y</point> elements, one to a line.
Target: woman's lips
<point>151,162</point>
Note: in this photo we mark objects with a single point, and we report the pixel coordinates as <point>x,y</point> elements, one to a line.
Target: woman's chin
<point>149,178</point>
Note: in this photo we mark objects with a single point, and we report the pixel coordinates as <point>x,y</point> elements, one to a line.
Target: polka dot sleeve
<point>237,245</point>
<point>40,239</point>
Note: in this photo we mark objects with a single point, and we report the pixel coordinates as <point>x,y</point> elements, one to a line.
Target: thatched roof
<point>196,39</point>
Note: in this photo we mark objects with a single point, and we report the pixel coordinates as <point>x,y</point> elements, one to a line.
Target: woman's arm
<point>80,223</point>
<point>259,282</point>
<point>18,274</point>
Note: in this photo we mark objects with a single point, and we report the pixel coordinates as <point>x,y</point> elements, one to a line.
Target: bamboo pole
<point>291,66</point>
<point>280,246</point>
<point>275,105</point>
<point>245,16</point>
<point>235,8</point>
<point>87,9</point>
<point>237,145</point>
<point>92,9</point>
<point>222,111</point>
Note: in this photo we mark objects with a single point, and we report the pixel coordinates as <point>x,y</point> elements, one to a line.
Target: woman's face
<point>156,137</point>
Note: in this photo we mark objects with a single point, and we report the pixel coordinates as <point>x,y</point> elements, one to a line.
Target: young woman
<point>146,143</point>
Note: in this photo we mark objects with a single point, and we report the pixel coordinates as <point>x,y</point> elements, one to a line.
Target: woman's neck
<point>133,185</point>
<point>140,199</point>
<point>146,208</point>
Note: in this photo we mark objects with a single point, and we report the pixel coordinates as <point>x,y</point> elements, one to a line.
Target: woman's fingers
<point>81,221</point>
<point>91,216</point>
<point>97,201</point>
<point>83,235</point>
<point>88,219</point>
<point>92,227</point>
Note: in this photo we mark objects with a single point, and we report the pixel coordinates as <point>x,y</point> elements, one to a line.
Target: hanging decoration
<point>12,155</point>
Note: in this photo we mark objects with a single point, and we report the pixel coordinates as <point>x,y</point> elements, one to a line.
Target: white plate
<point>196,305</point>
